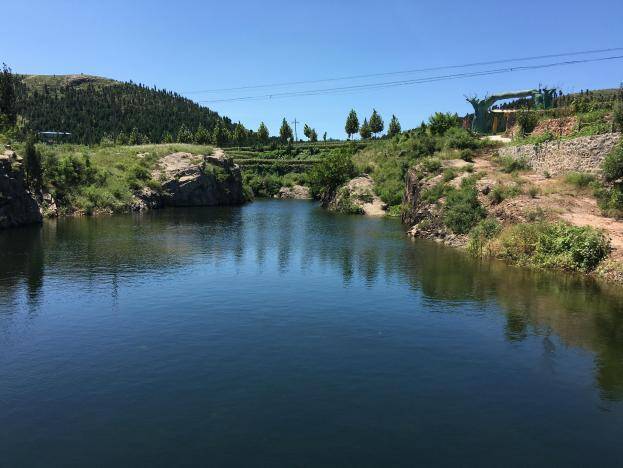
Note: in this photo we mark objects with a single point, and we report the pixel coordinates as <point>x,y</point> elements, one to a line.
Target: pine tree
<point>365,130</point>
<point>376,123</point>
<point>285,132</point>
<point>134,138</point>
<point>7,95</point>
<point>202,136</point>
<point>324,136</point>
<point>313,136</point>
<point>352,124</point>
<point>394,127</point>
<point>167,138</point>
<point>122,138</point>
<point>262,133</point>
<point>184,135</point>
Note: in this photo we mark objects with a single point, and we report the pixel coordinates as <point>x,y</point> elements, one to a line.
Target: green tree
<point>352,123</point>
<point>240,134</point>
<point>167,138</point>
<point>262,133</point>
<point>313,136</point>
<point>285,132</point>
<point>394,127</point>
<point>135,137</point>
<point>7,95</point>
<point>202,136</point>
<point>324,136</point>
<point>32,164</point>
<point>184,135</point>
<point>122,138</point>
<point>376,123</point>
<point>365,130</point>
<point>307,131</point>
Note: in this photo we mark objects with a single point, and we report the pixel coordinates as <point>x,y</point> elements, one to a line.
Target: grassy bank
<point>88,179</point>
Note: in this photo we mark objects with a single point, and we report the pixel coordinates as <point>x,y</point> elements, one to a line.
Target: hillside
<point>91,108</point>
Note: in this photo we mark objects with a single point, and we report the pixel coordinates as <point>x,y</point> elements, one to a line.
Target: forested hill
<point>91,108</point>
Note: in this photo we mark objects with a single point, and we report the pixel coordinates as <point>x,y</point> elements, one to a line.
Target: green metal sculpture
<point>542,98</point>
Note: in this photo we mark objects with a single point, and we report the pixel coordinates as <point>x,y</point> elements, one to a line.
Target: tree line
<point>372,127</point>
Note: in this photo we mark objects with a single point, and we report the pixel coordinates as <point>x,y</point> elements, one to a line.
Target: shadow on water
<point>294,236</point>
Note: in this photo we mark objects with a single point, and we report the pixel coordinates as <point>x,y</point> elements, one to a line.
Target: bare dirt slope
<point>554,198</point>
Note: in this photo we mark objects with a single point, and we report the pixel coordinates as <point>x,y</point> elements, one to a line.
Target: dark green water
<point>276,334</point>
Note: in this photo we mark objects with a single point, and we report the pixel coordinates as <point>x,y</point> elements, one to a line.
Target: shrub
<point>533,191</point>
<point>501,192</point>
<point>481,234</point>
<point>449,174</point>
<point>613,164</point>
<point>466,155</point>
<point>553,245</point>
<point>579,179</point>
<point>389,180</point>
<point>461,139</point>
<point>433,194</point>
<point>439,123</point>
<point>462,209</point>
<point>420,146</point>
<point>431,165</point>
<point>527,120</point>
<point>510,164</point>
<point>333,170</point>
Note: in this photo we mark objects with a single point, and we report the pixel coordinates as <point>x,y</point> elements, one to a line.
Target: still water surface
<point>279,334</point>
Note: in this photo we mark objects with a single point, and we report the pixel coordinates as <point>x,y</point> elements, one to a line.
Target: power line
<point>389,84</point>
<point>404,72</point>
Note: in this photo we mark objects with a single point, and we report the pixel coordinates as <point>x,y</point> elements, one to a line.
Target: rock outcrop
<point>357,196</point>
<point>194,180</point>
<point>296,192</point>
<point>17,204</point>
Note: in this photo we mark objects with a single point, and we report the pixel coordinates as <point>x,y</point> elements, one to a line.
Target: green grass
<point>552,245</point>
<point>103,178</point>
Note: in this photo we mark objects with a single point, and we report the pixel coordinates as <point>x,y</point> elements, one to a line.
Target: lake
<point>279,334</point>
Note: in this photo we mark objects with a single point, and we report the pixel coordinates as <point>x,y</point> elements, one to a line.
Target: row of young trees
<point>370,127</point>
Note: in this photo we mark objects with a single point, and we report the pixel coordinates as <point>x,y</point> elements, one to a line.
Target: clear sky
<point>197,45</point>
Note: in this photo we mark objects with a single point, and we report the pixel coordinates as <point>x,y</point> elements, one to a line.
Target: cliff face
<point>195,180</point>
<point>17,205</point>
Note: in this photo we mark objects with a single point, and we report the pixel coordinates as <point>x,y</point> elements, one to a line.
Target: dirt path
<point>560,200</point>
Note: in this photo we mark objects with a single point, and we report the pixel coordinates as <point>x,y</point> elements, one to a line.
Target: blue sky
<point>197,45</point>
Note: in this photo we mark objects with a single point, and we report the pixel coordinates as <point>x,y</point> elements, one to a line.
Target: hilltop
<point>92,108</point>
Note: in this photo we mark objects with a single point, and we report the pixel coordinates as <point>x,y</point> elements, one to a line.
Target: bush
<point>462,209</point>
<point>527,120</point>
<point>389,180</point>
<point>431,165</point>
<point>439,123</point>
<point>420,146</point>
<point>333,170</point>
<point>510,164</point>
<point>481,234</point>
<point>461,139</point>
<point>554,245</point>
<point>579,179</point>
<point>501,192</point>
<point>433,194</point>
<point>467,155</point>
<point>613,164</point>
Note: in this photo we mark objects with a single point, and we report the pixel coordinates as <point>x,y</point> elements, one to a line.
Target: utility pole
<point>296,136</point>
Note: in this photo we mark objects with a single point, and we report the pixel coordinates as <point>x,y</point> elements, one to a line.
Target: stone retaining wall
<point>583,154</point>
